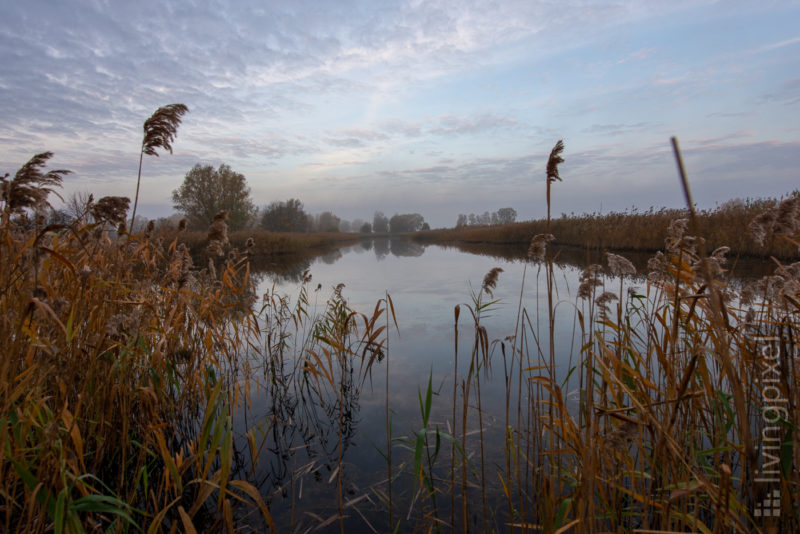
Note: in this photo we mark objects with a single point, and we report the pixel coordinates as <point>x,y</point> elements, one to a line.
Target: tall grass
<point>686,418</point>
<point>267,243</point>
<point>124,365</point>
<point>129,364</point>
<point>118,377</point>
<point>727,225</point>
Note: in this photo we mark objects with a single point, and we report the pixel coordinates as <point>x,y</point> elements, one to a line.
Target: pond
<point>296,436</point>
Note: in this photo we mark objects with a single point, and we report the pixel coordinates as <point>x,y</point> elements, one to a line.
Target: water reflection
<point>300,427</point>
<point>304,415</point>
<point>739,269</point>
<point>406,248</point>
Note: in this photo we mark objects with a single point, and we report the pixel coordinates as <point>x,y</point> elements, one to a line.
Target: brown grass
<point>728,225</point>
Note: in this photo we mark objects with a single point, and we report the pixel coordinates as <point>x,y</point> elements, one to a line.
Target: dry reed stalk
<point>464,514</point>
<point>721,338</point>
<point>159,132</point>
<point>553,162</point>
<point>456,313</point>
<point>386,414</point>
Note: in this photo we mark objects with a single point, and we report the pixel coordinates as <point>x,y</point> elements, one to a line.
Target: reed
<point>159,132</point>
<point>118,380</point>
<point>672,420</point>
<point>131,362</point>
<point>731,224</point>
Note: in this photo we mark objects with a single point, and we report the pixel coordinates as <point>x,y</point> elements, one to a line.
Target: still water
<point>297,435</point>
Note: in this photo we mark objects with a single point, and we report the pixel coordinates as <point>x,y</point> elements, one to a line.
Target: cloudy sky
<point>439,107</point>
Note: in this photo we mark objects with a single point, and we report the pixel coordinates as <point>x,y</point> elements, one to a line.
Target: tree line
<point>501,216</point>
<point>206,191</point>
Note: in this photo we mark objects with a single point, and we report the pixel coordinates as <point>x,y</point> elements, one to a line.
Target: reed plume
<point>619,265</point>
<point>554,160</point>
<point>490,280</point>
<point>159,132</point>
<point>786,217</point>
<point>30,186</point>
<point>589,280</point>
<point>538,246</point>
<point>218,234</point>
<point>782,219</point>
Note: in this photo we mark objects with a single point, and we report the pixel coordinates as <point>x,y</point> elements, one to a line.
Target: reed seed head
<point>554,160</point>
<point>677,228</point>
<point>604,299</point>
<point>30,186</point>
<point>212,270</point>
<point>218,234</point>
<point>161,128</point>
<point>620,439</point>
<point>589,280</point>
<point>786,216</point>
<point>761,225</point>
<point>619,265</point>
<point>490,280</point>
<point>538,246</point>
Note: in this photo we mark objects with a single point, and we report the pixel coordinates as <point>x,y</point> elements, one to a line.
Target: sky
<point>435,107</point>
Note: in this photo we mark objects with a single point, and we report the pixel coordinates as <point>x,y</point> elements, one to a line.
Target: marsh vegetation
<point>145,388</point>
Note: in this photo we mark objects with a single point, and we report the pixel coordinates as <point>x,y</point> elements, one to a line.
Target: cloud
<point>787,94</point>
<point>459,125</point>
<point>405,128</point>
<point>382,98</point>
<point>780,44</point>
<point>617,129</point>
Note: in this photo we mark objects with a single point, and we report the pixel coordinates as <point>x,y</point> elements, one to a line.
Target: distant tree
<point>425,226</point>
<point>380,223</point>
<point>461,221</point>
<point>506,215</point>
<point>406,222</point>
<point>205,192</point>
<point>77,205</point>
<point>344,226</point>
<point>61,216</point>
<point>139,224</point>
<point>356,224</point>
<point>287,216</point>
<point>366,228</point>
<point>171,222</point>
<point>327,222</point>
<point>472,220</point>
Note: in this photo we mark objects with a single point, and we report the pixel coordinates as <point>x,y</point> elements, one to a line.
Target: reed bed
<point>131,363</point>
<point>677,412</point>
<point>127,359</point>
<point>267,243</point>
<point>119,374</point>
<point>728,225</point>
